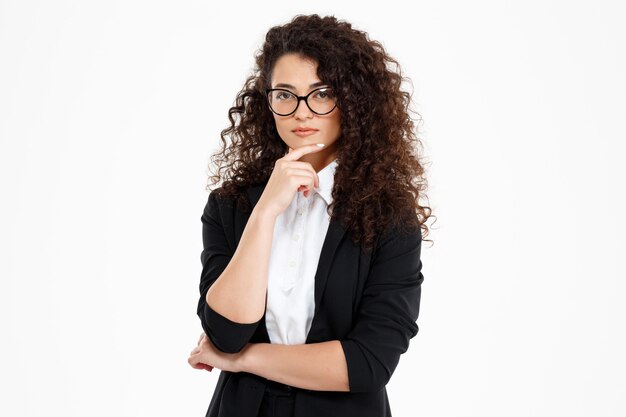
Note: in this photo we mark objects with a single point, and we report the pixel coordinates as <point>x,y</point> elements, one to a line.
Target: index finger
<point>295,154</point>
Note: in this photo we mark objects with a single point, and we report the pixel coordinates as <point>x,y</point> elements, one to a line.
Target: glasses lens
<point>320,101</point>
<point>282,102</point>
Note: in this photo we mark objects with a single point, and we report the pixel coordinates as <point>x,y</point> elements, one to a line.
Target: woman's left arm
<point>314,366</point>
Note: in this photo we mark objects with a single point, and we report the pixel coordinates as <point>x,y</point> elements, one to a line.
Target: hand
<point>207,356</point>
<point>288,177</point>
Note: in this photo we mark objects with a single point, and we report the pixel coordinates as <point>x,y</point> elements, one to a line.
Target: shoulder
<point>398,237</point>
<point>217,205</point>
<point>221,197</point>
<point>231,202</point>
<point>405,226</point>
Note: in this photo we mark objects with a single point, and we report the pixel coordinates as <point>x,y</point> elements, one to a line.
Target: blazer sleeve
<point>227,336</point>
<point>387,313</point>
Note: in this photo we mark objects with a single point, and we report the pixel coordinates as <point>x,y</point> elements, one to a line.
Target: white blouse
<point>299,233</point>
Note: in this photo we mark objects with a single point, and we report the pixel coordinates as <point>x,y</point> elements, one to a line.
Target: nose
<point>303,111</point>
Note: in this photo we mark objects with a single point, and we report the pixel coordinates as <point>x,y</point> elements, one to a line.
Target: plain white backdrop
<point>109,112</point>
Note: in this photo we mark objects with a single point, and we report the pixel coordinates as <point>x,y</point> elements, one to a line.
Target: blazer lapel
<point>334,234</point>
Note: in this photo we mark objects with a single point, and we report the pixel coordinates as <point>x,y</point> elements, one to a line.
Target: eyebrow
<point>317,84</point>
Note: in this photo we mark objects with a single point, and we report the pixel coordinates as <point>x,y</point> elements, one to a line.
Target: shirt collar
<point>327,177</point>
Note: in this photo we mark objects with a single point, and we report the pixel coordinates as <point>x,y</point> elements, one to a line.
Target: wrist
<point>263,212</point>
<point>247,357</point>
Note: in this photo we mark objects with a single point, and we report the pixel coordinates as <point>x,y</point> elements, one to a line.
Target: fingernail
<point>321,145</point>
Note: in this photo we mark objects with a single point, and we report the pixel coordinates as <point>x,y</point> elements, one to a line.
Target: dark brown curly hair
<point>377,148</point>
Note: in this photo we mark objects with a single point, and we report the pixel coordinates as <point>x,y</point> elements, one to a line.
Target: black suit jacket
<point>368,300</point>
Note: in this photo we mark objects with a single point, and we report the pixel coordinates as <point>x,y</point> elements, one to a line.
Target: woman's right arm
<point>233,286</point>
<point>236,286</point>
<point>239,292</point>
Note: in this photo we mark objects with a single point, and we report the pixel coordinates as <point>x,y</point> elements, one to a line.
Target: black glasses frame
<point>305,98</point>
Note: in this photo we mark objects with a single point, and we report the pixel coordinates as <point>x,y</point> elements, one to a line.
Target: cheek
<point>336,124</point>
<point>280,125</point>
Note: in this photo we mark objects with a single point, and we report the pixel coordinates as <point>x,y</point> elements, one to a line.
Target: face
<point>298,75</point>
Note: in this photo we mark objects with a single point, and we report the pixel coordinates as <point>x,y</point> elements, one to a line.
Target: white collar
<point>327,177</point>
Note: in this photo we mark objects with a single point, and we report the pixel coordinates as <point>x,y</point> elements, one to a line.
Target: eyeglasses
<point>283,102</point>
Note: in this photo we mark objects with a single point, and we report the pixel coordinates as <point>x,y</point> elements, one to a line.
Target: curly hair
<point>377,148</point>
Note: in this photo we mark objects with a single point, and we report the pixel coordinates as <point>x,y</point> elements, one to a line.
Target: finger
<point>308,167</point>
<point>304,170</point>
<point>193,361</point>
<point>304,181</point>
<point>295,154</point>
<point>200,365</point>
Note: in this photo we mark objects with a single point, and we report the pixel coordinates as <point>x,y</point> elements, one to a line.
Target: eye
<point>324,94</point>
<point>283,95</point>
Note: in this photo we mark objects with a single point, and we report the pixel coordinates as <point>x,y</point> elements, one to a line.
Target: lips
<point>302,132</point>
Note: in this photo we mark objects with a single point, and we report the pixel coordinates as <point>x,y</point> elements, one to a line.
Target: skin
<point>301,72</point>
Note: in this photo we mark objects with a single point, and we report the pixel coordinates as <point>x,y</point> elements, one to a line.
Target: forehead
<point>295,72</point>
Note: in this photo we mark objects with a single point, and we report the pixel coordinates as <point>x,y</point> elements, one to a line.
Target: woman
<point>311,278</point>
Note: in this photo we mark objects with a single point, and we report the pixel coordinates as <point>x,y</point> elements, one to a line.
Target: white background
<point>108,114</point>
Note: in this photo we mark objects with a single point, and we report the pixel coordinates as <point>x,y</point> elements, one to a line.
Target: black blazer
<point>368,300</point>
